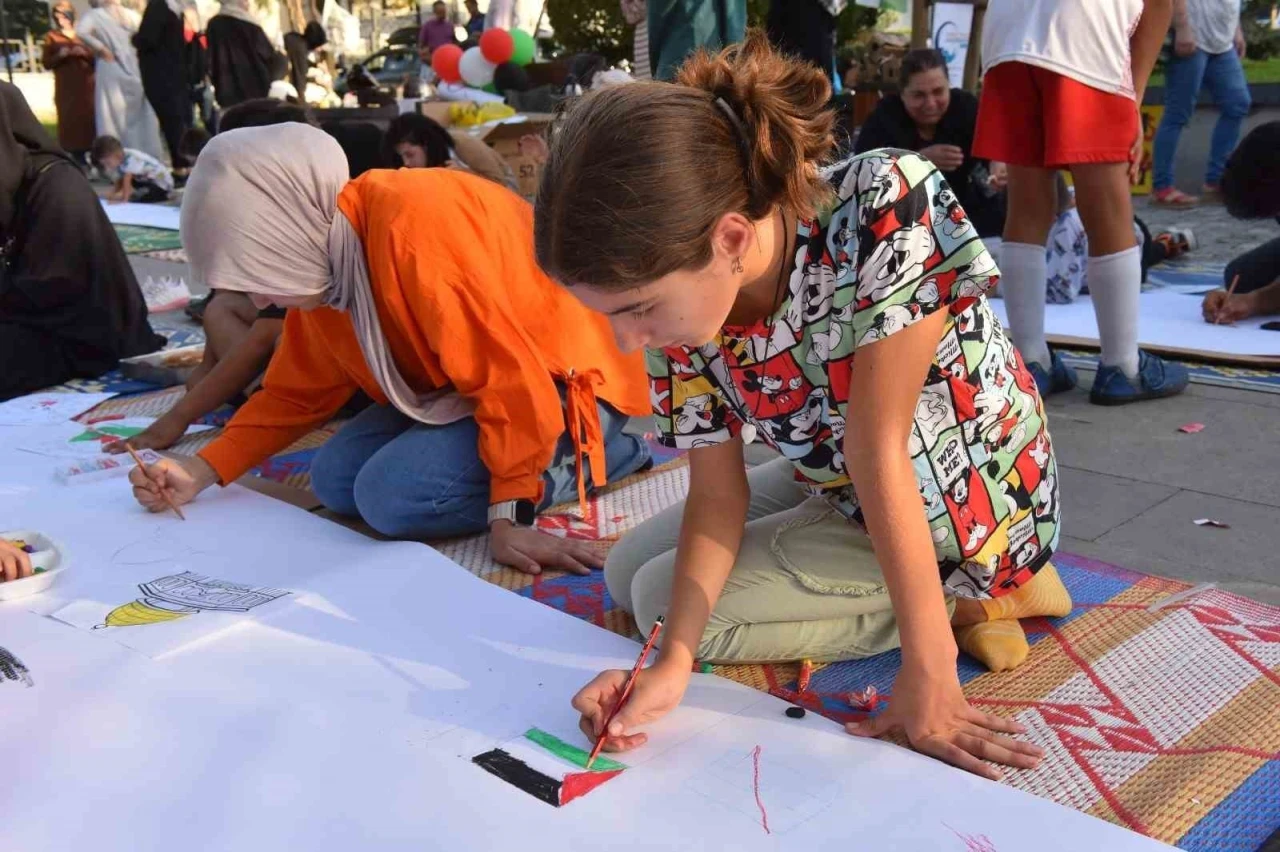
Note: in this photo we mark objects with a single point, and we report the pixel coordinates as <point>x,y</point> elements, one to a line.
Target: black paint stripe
<point>520,774</point>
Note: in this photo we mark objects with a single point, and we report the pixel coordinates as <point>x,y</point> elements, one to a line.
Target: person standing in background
<point>475,21</point>
<point>240,56</point>
<point>678,28</point>
<point>1208,44</point>
<point>806,29</point>
<point>1064,80</point>
<point>162,61</point>
<point>120,104</point>
<point>71,61</point>
<point>437,30</point>
<point>635,13</point>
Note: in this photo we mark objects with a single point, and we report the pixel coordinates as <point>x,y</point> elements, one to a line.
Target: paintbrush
<point>1217,315</point>
<point>137,459</point>
<point>626,690</point>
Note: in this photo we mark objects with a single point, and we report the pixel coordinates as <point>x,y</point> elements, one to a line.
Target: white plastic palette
<point>48,558</point>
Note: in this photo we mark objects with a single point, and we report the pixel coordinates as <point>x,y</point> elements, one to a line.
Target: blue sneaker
<point>1156,378</point>
<point>1059,378</point>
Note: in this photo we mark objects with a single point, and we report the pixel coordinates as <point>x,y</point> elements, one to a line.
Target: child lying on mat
<point>1251,190</point>
<point>136,175</point>
<point>839,316</point>
<point>239,338</point>
<point>1067,252</point>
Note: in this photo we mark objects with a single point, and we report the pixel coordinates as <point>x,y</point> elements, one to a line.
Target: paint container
<point>48,558</point>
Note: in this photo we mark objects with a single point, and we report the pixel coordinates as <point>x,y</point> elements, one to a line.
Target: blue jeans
<point>409,480</point>
<point>1224,76</point>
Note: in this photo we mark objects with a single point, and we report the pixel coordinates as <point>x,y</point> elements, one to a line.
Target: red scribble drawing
<point>755,783</point>
<point>974,842</point>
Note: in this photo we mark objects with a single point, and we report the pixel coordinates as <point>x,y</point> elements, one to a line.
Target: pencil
<point>626,690</point>
<point>142,467</point>
<point>1217,317</point>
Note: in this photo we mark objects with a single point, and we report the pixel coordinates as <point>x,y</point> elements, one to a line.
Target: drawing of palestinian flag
<point>536,764</point>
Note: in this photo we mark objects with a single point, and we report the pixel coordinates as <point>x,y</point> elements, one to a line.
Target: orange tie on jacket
<point>583,415</point>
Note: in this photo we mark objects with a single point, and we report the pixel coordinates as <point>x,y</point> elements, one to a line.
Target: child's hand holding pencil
<point>656,692</point>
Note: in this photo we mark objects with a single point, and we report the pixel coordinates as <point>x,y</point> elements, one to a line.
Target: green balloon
<point>524,47</point>
<point>490,88</point>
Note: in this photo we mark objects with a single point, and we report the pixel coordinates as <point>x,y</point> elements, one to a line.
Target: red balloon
<point>497,46</point>
<point>444,61</point>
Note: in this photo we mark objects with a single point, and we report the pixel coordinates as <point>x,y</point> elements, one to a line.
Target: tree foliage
<point>25,16</point>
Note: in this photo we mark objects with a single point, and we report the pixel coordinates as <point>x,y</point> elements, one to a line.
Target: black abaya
<point>240,58</point>
<point>70,306</point>
<point>162,61</point>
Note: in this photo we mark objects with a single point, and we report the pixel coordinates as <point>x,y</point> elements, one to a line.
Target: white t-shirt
<point>1085,40</point>
<point>1214,23</point>
<point>144,167</point>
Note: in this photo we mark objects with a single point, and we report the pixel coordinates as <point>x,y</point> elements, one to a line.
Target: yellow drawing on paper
<point>180,595</point>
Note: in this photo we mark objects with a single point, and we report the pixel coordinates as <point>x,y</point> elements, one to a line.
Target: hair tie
<point>739,129</point>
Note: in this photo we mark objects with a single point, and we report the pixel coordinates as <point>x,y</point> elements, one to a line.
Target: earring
<point>736,266</point>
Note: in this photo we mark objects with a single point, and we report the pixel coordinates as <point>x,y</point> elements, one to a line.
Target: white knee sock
<point>1023,279</point>
<point>1115,282</point>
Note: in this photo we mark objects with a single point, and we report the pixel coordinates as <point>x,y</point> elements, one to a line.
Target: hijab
<point>24,146</point>
<point>260,215</point>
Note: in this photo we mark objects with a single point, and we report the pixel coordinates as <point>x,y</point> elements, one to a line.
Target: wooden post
<point>31,54</point>
<point>973,59</point>
<point>919,24</point>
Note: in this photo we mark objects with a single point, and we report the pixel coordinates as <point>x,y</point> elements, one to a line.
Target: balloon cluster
<point>475,65</point>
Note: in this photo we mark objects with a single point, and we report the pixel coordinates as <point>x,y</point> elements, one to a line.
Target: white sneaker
<point>165,294</point>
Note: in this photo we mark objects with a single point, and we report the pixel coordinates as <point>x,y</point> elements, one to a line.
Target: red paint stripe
<point>755,783</point>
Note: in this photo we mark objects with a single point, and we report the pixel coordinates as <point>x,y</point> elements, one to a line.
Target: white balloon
<point>475,69</point>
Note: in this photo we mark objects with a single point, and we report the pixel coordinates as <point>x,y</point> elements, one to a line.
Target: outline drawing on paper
<point>744,781</point>
<point>11,668</point>
<point>179,595</point>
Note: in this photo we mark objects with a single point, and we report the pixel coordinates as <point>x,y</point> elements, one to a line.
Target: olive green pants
<point>806,583</point>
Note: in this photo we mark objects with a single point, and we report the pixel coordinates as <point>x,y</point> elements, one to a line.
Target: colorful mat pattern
<point>1164,722</point>
<point>1155,701</point>
<point>139,239</point>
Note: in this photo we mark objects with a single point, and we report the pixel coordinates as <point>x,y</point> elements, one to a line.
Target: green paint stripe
<point>571,753</point>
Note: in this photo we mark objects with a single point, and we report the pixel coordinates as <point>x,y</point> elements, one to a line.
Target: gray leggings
<point>806,583</point>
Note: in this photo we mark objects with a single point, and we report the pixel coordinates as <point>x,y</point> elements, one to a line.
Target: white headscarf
<point>260,215</point>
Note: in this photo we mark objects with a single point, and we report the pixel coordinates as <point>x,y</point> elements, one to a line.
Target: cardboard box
<point>505,140</point>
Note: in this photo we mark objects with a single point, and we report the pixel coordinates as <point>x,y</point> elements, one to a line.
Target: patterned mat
<point>1162,721</point>
<point>1155,701</point>
<point>139,239</point>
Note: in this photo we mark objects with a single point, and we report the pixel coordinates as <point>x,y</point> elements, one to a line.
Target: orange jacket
<point>463,302</point>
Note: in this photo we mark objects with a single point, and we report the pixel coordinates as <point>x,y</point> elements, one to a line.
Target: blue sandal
<point>1059,378</point>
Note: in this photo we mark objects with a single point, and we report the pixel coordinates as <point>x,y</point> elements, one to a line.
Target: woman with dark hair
<point>836,312</point>
<point>69,304</point>
<point>162,59</point>
<point>71,61</point>
<point>416,142</point>
<point>938,122</point>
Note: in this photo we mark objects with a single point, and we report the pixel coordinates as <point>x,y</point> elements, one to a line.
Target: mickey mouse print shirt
<point>893,247</point>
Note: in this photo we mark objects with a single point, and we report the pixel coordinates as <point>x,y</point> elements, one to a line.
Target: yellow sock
<point>999,645</point>
<point>1044,595</point>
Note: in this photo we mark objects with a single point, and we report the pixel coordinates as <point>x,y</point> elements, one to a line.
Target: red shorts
<point>1030,116</point>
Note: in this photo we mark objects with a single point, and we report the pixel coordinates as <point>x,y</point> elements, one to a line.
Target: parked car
<point>388,67</point>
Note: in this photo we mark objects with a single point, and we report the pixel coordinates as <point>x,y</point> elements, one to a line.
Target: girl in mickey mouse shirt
<point>836,313</point>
